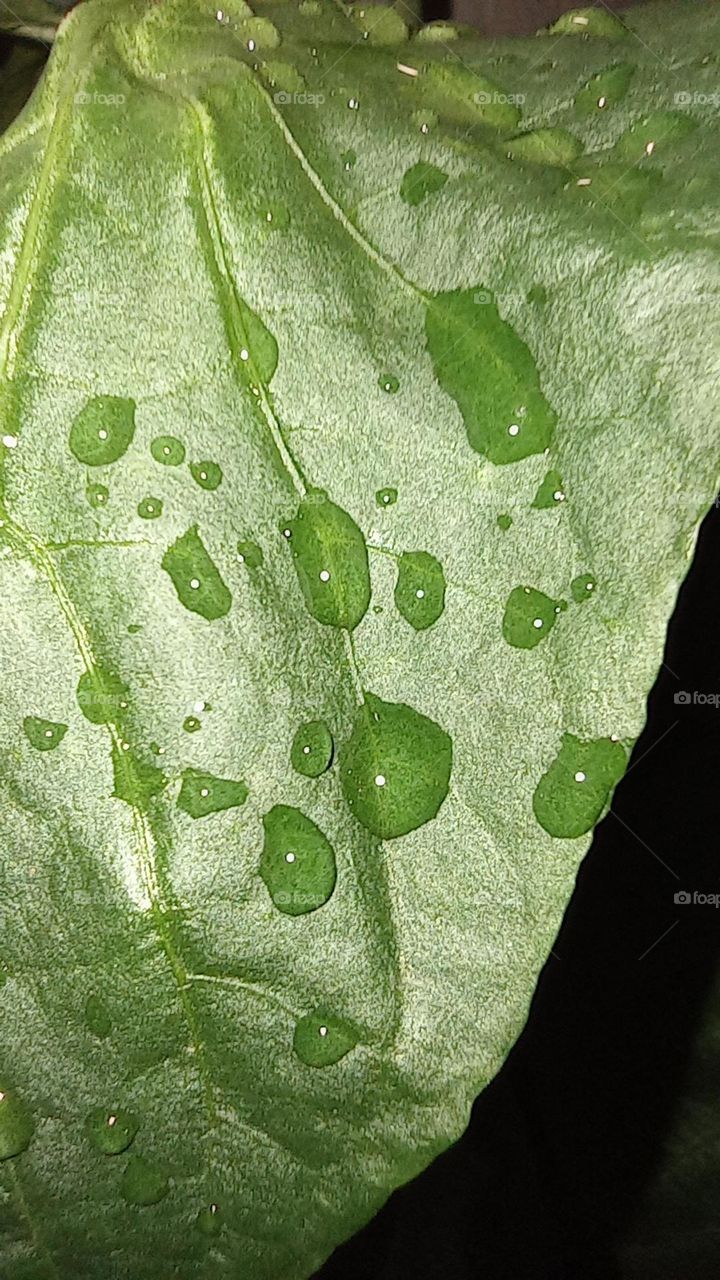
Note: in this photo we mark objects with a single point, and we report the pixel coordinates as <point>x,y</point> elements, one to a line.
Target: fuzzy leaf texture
<point>359,406</point>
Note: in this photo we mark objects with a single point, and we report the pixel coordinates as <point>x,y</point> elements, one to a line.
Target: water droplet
<point>555,147</point>
<point>103,430</point>
<point>202,793</point>
<point>209,1220</point>
<point>195,576</point>
<point>312,749</point>
<point>379,24</point>
<point>207,474</point>
<point>44,735</point>
<point>97,494</point>
<point>410,751</point>
<point>420,589</point>
<point>481,362</point>
<point>150,508</point>
<point>529,617</point>
<point>550,493</point>
<point>168,450</point>
<point>277,217</point>
<point>191,724</point>
<point>353,104</point>
<point>102,696</point>
<point>16,1124</point>
<point>572,794</point>
<point>538,295</point>
<point>439,32</point>
<point>321,1040</point>
<point>386,497</point>
<point>304,881</point>
<point>582,587</point>
<point>143,1183</point>
<point>658,129</point>
<point>257,33</point>
<point>348,159</point>
<point>504,520</point>
<point>465,97</point>
<point>136,780</point>
<point>388,382</point>
<point>97,1018</point>
<point>326,540</point>
<point>250,554</point>
<point>605,88</point>
<point>589,22</point>
<point>111,1131</point>
<point>421,180</point>
<point>424,120</point>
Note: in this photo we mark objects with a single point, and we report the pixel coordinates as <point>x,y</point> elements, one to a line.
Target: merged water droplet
<point>504,520</point>
<point>582,587</point>
<point>529,617</point>
<point>143,1182</point>
<point>103,430</point>
<point>331,562</point>
<point>150,508</point>
<point>297,863</point>
<point>589,22</point>
<point>210,1220</point>
<point>420,589</point>
<point>550,493</point>
<point>386,497</point>
<point>395,768</point>
<point>250,554</point>
<point>16,1124</point>
<point>556,147</point>
<point>97,1018</point>
<point>102,696</point>
<point>203,793</point>
<point>606,88</point>
<point>111,1131</point>
<point>207,474</point>
<point>420,181</point>
<point>44,735</point>
<point>481,362</point>
<point>388,382</point>
<point>572,794</point>
<point>312,749</point>
<point>168,450</point>
<point>321,1039</point>
<point>195,576</point>
<point>97,494</point>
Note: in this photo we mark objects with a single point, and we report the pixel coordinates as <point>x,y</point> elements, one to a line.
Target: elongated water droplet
<point>103,430</point>
<point>386,497</point>
<point>420,181</point>
<point>321,1039</point>
<point>97,1018</point>
<point>395,768</point>
<point>207,474</point>
<point>481,362</point>
<point>168,450</point>
<point>195,576</point>
<point>582,587</point>
<point>210,1220</point>
<point>388,382</point>
<point>555,147</point>
<point>550,493</point>
<point>16,1123</point>
<point>504,520</point>
<point>331,562</point>
<point>589,22</point>
<point>102,696</point>
<point>572,794</point>
<point>312,749</point>
<point>150,508</point>
<point>297,863</point>
<point>97,495</point>
<point>420,589</point>
<point>606,88</point>
<point>43,734</point>
<point>111,1131</point>
<point>143,1182</point>
<point>250,554</point>
<point>529,617</point>
<point>203,793</point>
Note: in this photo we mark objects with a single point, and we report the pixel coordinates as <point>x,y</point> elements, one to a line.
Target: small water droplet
<point>277,217</point>
<point>388,382</point>
<point>420,589</point>
<point>250,554</point>
<point>168,450</point>
<point>102,696</point>
<point>191,724</point>
<point>143,1182</point>
<point>209,1221</point>
<point>312,749</point>
<point>111,1131</point>
<point>326,540</point>
<point>297,863</point>
<point>645,136</point>
<point>504,520</point>
<point>202,793</point>
<point>386,497</point>
<point>97,494</point>
<point>103,430</point>
<point>420,181</point>
<point>582,587</point>
<point>348,159</point>
<point>16,1124</point>
<point>321,1039</point>
<point>550,493</point>
<point>207,474</point>
<point>44,735</point>
<point>195,576</point>
<point>150,508</point>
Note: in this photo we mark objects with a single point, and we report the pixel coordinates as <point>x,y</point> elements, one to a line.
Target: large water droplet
<point>207,474</point>
<point>102,696</point>
<point>421,180</point>
<point>321,1039</point>
<point>203,793</point>
<point>605,88</point>
<point>143,1182</point>
<point>572,794</point>
<point>420,589</point>
<point>550,493</point>
<point>111,1131</point>
<point>395,768</point>
<point>150,508</point>
<point>555,147</point>
<point>331,562</point>
<point>195,576</point>
<point>297,863</point>
<point>43,734</point>
<point>168,450</point>
<point>16,1124</point>
<point>97,1018</point>
<point>103,430</point>
<point>312,749</point>
<point>529,617</point>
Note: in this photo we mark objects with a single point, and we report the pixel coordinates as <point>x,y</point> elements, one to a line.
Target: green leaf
<point>281,450</point>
